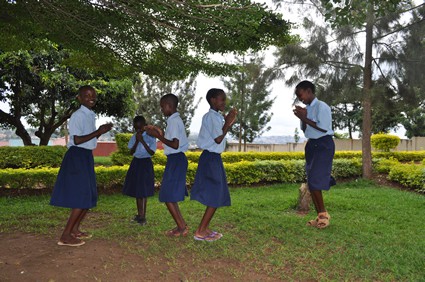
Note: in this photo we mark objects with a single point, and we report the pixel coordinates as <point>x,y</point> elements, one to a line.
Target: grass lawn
<point>376,233</point>
<point>105,161</point>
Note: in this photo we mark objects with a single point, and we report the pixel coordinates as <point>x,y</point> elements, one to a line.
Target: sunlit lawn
<point>376,233</point>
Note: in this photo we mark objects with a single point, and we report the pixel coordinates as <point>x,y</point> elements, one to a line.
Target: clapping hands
<point>230,118</point>
<point>153,131</point>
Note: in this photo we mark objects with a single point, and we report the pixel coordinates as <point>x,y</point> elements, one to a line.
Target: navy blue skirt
<point>210,187</point>
<point>173,185</point>
<point>75,185</point>
<point>140,179</point>
<point>319,154</point>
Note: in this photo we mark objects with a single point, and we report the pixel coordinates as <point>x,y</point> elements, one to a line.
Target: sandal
<point>209,237</point>
<point>313,223</point>
<point>73,243</point>
<point>175,232</point>
<point>82,235</point>
<point>323,220</point>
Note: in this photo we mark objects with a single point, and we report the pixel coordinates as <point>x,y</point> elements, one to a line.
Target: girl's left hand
<point>300,112</point>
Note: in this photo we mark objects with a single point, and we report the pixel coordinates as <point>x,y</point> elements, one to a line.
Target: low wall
<point>104,149</point>
<point>414,144</point>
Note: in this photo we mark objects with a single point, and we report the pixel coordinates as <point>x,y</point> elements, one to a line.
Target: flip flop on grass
<point>209,238</point>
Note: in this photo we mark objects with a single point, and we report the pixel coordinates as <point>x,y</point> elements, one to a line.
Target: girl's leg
<point>317,198</point>
<point>76,227</point>
<point>173,208</point>
<point>141,207</point>
<point>67,232</point>
<point>203,230</point>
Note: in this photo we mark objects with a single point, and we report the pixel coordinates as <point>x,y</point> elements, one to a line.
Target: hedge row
<point>119,158</point>
<point>241,173</point>
<point>51,156</point>
<point>31,156</point>
<point>409,175</point>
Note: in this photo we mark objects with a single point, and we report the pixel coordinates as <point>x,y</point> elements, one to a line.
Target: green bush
<point>28,178</point>
<point>31,156</point>
<point>384,142</point>
<point>240,173</point>
<point>409,175</point>
<point>384,165</point>
<point>122,140</point>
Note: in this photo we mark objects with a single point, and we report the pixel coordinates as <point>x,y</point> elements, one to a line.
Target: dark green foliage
<point>40,87</point>
<point>162,38</point>
<point>31,156</point>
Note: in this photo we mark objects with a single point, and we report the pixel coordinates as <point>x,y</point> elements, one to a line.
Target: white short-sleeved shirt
<point>319,112</point>
<point>141,152</point>
<point>82,122</point>
<point>211,128</point>
<point>175,129</point>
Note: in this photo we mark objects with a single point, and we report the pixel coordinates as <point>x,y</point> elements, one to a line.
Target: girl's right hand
<point>231,117</point>
<point>153,131</point>
<point>105,128</point>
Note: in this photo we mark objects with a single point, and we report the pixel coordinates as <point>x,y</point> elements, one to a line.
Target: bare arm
<point>229,120</point>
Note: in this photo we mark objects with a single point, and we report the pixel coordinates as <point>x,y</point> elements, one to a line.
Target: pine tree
<point>248,92</point>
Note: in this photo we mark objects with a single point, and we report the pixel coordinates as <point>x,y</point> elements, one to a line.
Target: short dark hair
<point>170,99</point>
<point>137,119</point>
<point>83,89</point>
<point>305,84</point>
<point>213,93</point>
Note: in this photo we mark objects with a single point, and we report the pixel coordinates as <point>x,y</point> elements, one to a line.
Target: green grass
<point>376,233</point>
<point>105,161</point>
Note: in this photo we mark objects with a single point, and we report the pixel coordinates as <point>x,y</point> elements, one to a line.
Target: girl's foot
<point>323,220</point>
<point>70,241</point>
<point>176,232</point>
<point>82,235</point>
<point>209,237</point>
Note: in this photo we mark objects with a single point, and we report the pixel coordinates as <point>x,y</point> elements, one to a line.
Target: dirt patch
<point>29,257</point>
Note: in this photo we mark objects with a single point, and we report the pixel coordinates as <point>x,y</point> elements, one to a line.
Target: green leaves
<point>163,38</point>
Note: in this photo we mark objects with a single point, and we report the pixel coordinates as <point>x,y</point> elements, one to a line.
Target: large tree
<point>249,92</point>
<point>409,75</point>
<point>40,88</point>
<point>147,92</point>
<point>335,57</point>
<point>165,38</point>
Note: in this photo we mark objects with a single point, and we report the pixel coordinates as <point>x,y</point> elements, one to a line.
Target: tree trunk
<point>367,104</point>
<point>23,134</point>
<point>304,199</point>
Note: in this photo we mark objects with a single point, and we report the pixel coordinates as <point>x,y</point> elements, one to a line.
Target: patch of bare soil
<point>28,257</point>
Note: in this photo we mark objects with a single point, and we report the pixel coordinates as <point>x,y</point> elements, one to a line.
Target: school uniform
<point>75,185</point>
<point>173,185</point>
<point>320,147</point>
<point>210,187</point>
<point>140,179</point>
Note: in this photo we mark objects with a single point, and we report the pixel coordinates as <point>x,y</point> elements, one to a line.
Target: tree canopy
<point>165,38</point>
<point>40,88</point>
<point>249,92</point>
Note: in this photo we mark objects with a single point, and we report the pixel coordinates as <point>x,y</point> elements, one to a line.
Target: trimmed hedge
<point>31,156</point>
<point>409,175</point>
<point>241,173</point>
<point>119,158</point>
<point>384,142</point>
